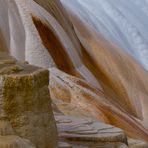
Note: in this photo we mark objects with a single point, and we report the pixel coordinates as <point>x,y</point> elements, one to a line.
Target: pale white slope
<point>124,22</point>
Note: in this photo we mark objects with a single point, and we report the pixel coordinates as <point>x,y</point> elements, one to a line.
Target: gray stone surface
<point>88,133</point>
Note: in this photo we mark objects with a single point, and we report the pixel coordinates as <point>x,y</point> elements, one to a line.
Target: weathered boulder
<point>25,100</point>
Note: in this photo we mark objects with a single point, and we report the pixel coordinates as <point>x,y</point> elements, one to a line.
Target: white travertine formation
<point>107,83</point>
<point>22,38</point>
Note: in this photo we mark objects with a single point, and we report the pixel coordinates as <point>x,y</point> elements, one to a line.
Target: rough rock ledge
<point>25,103</point>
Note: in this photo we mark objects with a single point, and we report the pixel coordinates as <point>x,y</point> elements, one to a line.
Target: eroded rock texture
<point>88,130</point>
<point>76,97</point>
<point>76,132</point>
<point>8,138</point>
<point>25,101</point>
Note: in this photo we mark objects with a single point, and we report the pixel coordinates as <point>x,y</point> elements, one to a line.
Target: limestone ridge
<point>25,108</point>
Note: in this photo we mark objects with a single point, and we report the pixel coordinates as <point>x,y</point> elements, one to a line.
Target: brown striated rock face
<point>55,8</point>
<point>122,80</point>
<point>25,100</point>
<point>75,97</point>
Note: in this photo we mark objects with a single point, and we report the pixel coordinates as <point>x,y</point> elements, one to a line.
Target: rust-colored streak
<point>114,116</point>
<point>55,8</point>
<point>2,43</point>
<point>123,80</point>
<point>97,72</point>
<point>55,48</point>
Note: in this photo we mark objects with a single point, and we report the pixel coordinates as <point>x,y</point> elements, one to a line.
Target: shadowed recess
<point>55,8</point>
<point>54,47</point>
